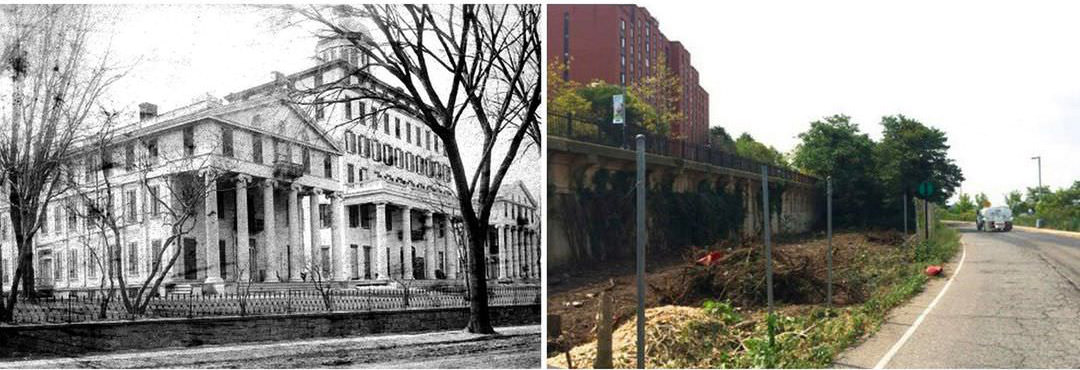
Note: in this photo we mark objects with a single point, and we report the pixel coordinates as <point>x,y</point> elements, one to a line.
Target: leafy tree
<point>720,139</point>
<point>662,90</point>
<point>746,146</point>
<point>964,204</point>
<point>908,154</point>
<point>1016,202</point>
<point>599,93</point>
<point>982,201</point>
<point>835,147</point>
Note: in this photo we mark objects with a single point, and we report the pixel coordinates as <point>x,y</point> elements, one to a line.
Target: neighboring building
<point>619,44</point>
<point>292,168</point>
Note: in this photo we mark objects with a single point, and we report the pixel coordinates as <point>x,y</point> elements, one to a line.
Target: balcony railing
<point>287,170</point>
<point>619,137</point>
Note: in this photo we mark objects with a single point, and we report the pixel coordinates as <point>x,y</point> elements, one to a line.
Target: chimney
<point>147,111</point>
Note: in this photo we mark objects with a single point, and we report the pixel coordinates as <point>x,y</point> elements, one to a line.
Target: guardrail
<point>623,137</point>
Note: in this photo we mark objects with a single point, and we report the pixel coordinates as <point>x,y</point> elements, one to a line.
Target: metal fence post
<point>641,251</point>
<point>828,256</point>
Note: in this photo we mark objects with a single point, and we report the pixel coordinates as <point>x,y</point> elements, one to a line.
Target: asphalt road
<point>514,347</point>
<point>1015,303</point>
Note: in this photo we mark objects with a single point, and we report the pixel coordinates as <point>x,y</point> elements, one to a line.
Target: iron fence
<point>623,136</point>
<point>75,308</point>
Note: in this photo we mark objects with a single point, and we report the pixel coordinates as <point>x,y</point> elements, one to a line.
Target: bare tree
<point>489,57</point>
<point>173,192</point>
<point>55,83</point>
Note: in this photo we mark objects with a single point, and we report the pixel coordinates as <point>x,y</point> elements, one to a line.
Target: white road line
<point>915,325</point>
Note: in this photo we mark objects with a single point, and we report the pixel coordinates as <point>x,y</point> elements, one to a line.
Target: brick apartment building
<point>618,44</point>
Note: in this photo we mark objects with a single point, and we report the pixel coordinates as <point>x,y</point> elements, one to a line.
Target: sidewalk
<point>512,346</point>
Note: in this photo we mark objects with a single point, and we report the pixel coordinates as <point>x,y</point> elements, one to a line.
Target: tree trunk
<point>479,315</point>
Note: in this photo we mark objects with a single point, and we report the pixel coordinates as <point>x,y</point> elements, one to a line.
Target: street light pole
<point>1039,159</point>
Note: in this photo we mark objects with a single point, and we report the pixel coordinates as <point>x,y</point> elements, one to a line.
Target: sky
<point>177,54</point>
<point>1001,79</point>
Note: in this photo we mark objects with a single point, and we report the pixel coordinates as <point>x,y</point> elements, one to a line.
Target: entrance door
<point>190,271</point>
<point>354,262</point>
<point>223,262</point>
<point>324,263</point>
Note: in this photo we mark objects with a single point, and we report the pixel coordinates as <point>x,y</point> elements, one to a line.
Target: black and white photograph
<point>271,186</point>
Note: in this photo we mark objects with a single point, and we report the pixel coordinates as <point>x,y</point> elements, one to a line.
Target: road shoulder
<point>870,350</point>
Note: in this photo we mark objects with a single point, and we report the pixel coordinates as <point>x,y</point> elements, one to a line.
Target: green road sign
<point>925,189</point>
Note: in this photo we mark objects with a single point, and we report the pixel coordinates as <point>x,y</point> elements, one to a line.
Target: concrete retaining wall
<point>74,339</point>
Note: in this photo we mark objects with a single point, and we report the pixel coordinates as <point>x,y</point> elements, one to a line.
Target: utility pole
<point>1038,158</point>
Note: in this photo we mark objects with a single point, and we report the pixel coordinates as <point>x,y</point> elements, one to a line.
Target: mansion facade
<point>343,192</point>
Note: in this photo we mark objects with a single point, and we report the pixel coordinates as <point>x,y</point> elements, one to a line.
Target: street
<point>1014,303</point>
<point>514,347</point>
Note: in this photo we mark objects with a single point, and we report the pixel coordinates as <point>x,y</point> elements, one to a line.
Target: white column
<point>296,243</point>
<point>406,241</point>
<point>430,256</point>
<point>244,270</point>
<point>272,258</point>
<point>502,251</point>
<point>210,223</point>
<point>451,249</point>
<point>342,265</point>
<point>382,263</point>
<point>315,231</point>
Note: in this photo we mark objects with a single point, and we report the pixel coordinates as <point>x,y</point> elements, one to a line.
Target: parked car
<point>998,218</point>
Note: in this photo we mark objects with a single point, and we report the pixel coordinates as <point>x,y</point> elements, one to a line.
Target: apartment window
<point>324,215</point>
<point>227,141</point>
<point>354,216</point>
<point>58,267</point>
<point>305,158</point>
<point>398,158</point>
<point>129,206</point>
<point>155,205</point>
<point>73,264</point>
<point>566,45</point>
<point>320,110</point>
<point>189,140</point>
<point>91,264</point>
<point>73,219</point>
<point>366,147</point>
<point>436,143</point>
<point>45,220</point>
<point>427,140</point>
<point>133,259</point>
<point>58,219</point>
<point>389,217</point>
<point>378,150</point>
<point>360,111</point>
<point>351,176</point>
<point>397,127</point>
<point>256,148</point>
<point>386,123</point>
<point>328,167</point>
<point>153,261</point>
<point>348,110</point>
<point>408,132</point>
<point>418,143</point>
<point>152,149</point>
<point>366,212</point>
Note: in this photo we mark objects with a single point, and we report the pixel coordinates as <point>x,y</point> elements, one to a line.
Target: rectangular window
<point>366,212</point>
<point>4,270</point>
<point>256,148</point>
<point>155,205</point>
<point>378,150</point>
<point>58,218</point>
<point>389,219</point>
<point>360,111</point>
<point>328,167</point>
<point>73,264</point>
<point>350,175</point>
<point>408,132</point>
<point>189,140</point>
<point>306,159</point>
<point>73,219</point>
<point>129,206</point>
<point>153,261</point>
<point>386,123</point>
<point>427,140</point>
<point>45,220</point>
<point>418,142</point>
<point>129,156</point>
<point>152,149</point>
<point>91,264</point>
<point>354,216</point>
<point>227,141</point>
<point>397,127</point>
<point>320,111</point>
<point>348,110</point>
<point>324,215</point>
<point>133,259</point>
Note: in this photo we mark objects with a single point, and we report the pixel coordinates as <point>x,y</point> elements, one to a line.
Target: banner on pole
<point>618,109</point>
